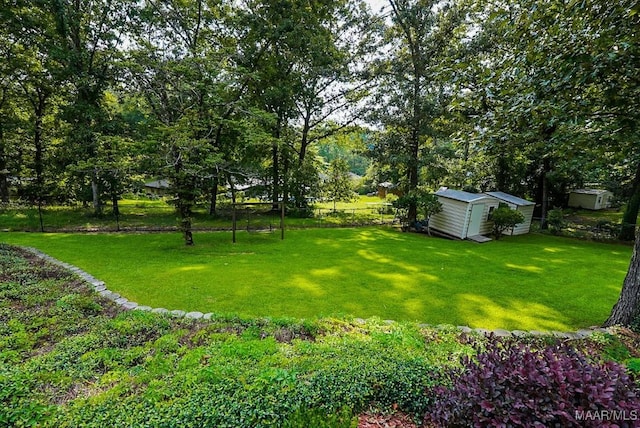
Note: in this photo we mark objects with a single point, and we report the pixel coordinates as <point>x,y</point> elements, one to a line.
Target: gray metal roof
<point>510,198</point>
<point>158,184</point>
<point>460,195</point>
<point>590,191</point>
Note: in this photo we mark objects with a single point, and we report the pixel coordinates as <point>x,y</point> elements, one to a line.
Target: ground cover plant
<point>69,358</point>
<point>526,282</point>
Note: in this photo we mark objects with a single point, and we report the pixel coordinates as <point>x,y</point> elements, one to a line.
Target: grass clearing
<point>158,214</point>
<point>527,282</point>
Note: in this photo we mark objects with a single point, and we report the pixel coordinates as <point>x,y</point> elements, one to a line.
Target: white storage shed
<point>518,204</point>
<point>591,199</point>
<point>463,214</point>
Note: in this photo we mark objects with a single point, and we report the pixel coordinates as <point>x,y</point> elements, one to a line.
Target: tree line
<point>530,97</point>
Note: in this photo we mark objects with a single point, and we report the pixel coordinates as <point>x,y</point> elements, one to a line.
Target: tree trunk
<point>95,195</point>
<point>544,182</point>
<point>630,217</point>
<point>275,176</point>
<point>502,173</point>
<point>4,173</point>
<point>213,203</point>
<point>116,208</point>
<point>285,181</point>
<point>627,309</point>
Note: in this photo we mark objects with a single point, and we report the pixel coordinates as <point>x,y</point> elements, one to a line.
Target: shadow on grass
<point>528,282</point>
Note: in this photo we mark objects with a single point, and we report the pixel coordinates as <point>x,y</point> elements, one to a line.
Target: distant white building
<point>157,187</point>
<point>590,199</point>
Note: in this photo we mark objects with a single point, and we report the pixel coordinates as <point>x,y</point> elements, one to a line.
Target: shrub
<point>522,386</point>
<point>555,220</point>
<point>504,218</point>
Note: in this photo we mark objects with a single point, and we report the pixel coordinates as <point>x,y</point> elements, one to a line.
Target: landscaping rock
<point>502,333</point>
<point>583,333</point>
<point>178,313</point>
<point>207,316</point>
<point>144,308</point>
<point>121,300</point>
<point>130,305</point>
<point>160,311</point>
<point>194,315</point>
<point>464,329</point>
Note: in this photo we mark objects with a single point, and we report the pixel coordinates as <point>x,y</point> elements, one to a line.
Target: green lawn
<point>528,282</point>
<point>158,214</point>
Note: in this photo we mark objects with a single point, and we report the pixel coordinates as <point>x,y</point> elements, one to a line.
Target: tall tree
<point>307,64</point>
<point>179,64</point>
<point>413,94</point>
<point>87,43</point>
<point>626,311</point>
<point>30,84</point>
<point>556,87</point>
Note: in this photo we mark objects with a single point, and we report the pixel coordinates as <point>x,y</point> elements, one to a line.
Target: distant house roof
<point>158,184</point>
<point>510,198</point>
<point>460,195</point>
<point>590,191</point>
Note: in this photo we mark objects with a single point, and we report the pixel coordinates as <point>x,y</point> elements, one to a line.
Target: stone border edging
<point>101,288</point>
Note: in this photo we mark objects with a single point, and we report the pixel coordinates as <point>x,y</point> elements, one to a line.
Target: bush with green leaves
<point>426,203</point>
<point>555,221</point>
<point>504,219</point>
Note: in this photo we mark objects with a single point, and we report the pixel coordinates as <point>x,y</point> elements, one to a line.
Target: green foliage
<point>135,368</point>
<point>425,202</point>
<point>319,418</point>
<point>138,368</point>
<point>338,186</point>
<point>504,218</point>
<point>556,221</point>
<point>633,364</point>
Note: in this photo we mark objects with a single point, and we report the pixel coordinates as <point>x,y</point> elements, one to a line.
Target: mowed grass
<point>141,214</point>
<point>531,282</point>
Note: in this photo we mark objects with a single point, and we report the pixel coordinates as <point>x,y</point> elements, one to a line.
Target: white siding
<point>455,216</point>
<point>582,200</point>
<point>452,218</point>
<point>525,226</point>
<point>487,226</point>
<point>595,200</point>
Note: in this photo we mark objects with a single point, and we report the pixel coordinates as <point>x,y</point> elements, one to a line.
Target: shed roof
<point>510,199</point>
<point>460,195</point>
<point>590,191</point>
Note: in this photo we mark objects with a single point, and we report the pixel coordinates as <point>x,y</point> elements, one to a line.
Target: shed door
<point>476,219</point>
